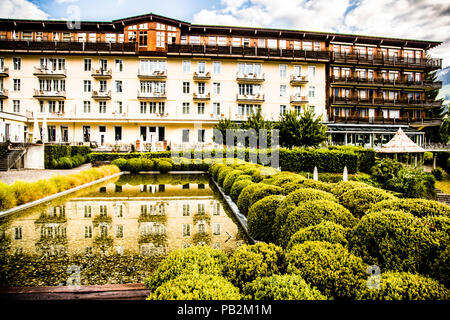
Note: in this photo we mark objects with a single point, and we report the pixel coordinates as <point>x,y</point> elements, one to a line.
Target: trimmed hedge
<point>53,153</point>
<point>196,287</point>
<point>281,287</point>
<point>405,286</point>
<point>328,267</point>
<point>393,240</point>
<point>325,231</point>
<point>261,217</point>
<point>254,192</point>
<point>344,186</point>
<point>360,200</point>
<point>417,207</point>
<point>250,262</point>
<point>311,213</point>
<point>230,179</point>
<point>198,259</point>
<point>237,188</point>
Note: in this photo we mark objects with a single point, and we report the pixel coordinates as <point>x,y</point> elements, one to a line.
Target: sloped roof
<point>401,143</point>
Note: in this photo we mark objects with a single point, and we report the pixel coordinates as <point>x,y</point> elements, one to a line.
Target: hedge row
<point>53,153</point>
<point>294,160</point>
<point>163,165</point>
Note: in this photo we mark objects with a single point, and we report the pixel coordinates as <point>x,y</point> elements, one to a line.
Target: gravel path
<point>34,175</point>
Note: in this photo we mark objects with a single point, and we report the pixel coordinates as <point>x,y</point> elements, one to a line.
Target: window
<point>118,133</point>
<point>311,71</point>
<point>186,230</point>
<point>87,232</point>
<point>102,107</point>
<point>282,44</point>
<point>236,42</point>
<point>316,46</point>
<point>216,229</point>
<point>103,85</point>
<point>51,106</point>
<point>160,39</point>
<point>249,68</point>
<point>118,86</point>
<point>86,106</point>
<point>86,133</point>
<point>152,66</point>
<point>261,43</point>
<point>194,40</point>
<point>283,71</point>
<point>297,71</point>
<point>87,211</point>
<point>186,210</point>
<point>307,45</point>
<point>119,231</point>
<point>17,233</point>
<point>87,64</point>
<point>118,211</point>
<point>87,85</point>
<point>216,88</point>
<point>201,138</point>
<point>201,88</point>
<point>16,84</point>
<point>283,90</point>
<point>118,107</point>
<point>249,89</point>
<point>185,135</point>
<point>283,110</point>
<point>272,43</point>
<point>312,91</point>
<point>143,39</point>
<point>17,63</point>
<point>110,37</point>
<point>217,66</point>
<point>16,106</point>
<point>246,109</point>
<point>186,66</point>
<point>201,67</point>
<point>171,37</point>
<point>92,37</point>
<point>143,108</point>
<point>186,87</point>
<point>201,108</point>
<point>60,106</point>
<point>185,107</point>
<point>119,65</point>
<point>216,108</point>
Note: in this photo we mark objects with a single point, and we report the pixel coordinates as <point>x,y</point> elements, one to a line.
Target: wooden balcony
<point>40,94</point>
<point>3,93</point>
<point>101,95</point>
<point>245,52</point>
<point>250,77</point>
<point>379,82</point>
<point>401,102</point>
<point>250,97</point>
<point>297,80</point>
<point>155,75</point>
<point>49,73</point>
<point>101,74</point>
<point>203,76</point>
<point>413,122</point>
<point>151,95</point>
<point>382,60</point>
<point>202,96</point>
<point>4,72</point>
<point>299,99</point>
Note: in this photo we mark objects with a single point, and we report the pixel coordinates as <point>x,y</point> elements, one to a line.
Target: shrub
<point>237,188</point>
<point>198,259</point>
<point>319,185</point>
<point>405,286</point>
<point>292,200</point>
<point>214,170</point>
<point>263,173</point>
<point>311,213</point>
<point>359,201</point>
<point>64,163</point>
<point>325,231</point>
<point>328,267</point>
<point>438,174</point>
<point>163,166</point>
<point>386,169</point>
<point>147,164</point>
<point>282,178</point>
<point>428,157</point>
<point>281,287</point>
<point>7,199</point>
<point>53,153</point>
<point>120,163</point>
<point>250,262</point>
<point>393,240</point>
<point>223,172</point>
<point>413,183</point>
<point>261,217</point>
<point>252,193</point>
<point>417,207</point>
<point>134,165</point>
<point>344,186</point>
<point>196,287</point>
<point>243,177</point>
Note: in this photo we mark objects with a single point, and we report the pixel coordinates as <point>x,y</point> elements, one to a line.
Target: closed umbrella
<point>44,130</point>
<point>36,133</point>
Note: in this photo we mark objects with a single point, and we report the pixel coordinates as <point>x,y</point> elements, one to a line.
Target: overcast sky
<point>413,19</point>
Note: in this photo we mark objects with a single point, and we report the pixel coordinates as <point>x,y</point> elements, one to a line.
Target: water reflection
<point>139,215</point>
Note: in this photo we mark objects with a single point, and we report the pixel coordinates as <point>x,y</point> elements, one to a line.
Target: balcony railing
<point>250,77</point>
<point>384,60</point>
<point>101,74</point>
<point>43,46</point>
<point>4,72</point>
<point>384,102</point>
<point>49,94</point>
<point>267,53</point>
<point>202,96</point>
<point>202,76</point>
<point>151,95</point>
<point>101,95</point>
<point>3,93</point>
<point>296,79</point>
<point>413,121</point>
<point>152,75</point>
<point>378,81</point>
<point>45,72</point>
<point>259,97</point>
<point>299,99</point>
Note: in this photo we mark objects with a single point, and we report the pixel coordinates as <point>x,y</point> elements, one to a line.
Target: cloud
<point>21,9</point>
<point>66,1</point>
<point>411,19</point>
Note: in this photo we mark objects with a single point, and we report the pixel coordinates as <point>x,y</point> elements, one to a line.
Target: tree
<point>257,122</point>
<point>433,134</point>
<point>444,129</point>
<point>222,127</point>
<point>301,130</point>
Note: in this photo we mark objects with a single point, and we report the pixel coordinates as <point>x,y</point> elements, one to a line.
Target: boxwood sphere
<point>360,200</point>
<point>325,231</point>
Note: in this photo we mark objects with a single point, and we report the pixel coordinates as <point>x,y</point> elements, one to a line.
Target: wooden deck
<point>103,292</point>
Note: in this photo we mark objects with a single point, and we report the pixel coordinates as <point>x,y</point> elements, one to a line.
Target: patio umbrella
<point>44,129</point>
<point>36,133</point>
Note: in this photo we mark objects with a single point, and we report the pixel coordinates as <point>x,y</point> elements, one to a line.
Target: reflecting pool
<point>115,232</point>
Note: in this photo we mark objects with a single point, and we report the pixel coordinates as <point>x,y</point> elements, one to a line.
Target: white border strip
<point>56,195</point>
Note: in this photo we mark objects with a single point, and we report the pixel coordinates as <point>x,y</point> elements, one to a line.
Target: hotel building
<point>168,82</point>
